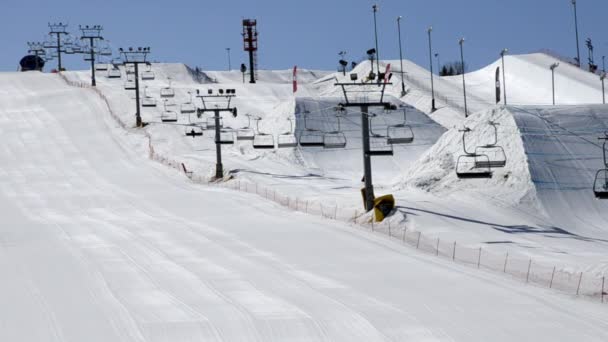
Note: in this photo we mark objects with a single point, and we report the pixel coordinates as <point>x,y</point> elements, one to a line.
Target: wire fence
<point>513,264</point>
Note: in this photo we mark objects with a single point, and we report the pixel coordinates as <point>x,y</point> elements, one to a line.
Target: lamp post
<point>433,108</point>
<point>464,85</point>
<point>229,62</point>
<point>553,67</point>
<point>438,63</point>
<point>602,78</point>
<point>504,78</point>
<point>401,55</point>
<point>578,51</point>
<point>375,8</point>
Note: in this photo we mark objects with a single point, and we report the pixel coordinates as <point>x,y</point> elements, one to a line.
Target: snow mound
<point>511,185</point>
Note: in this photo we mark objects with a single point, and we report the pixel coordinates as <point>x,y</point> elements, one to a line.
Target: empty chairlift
<point>378,143</point>
<point>148,74</point>
<point>287,139</point>
<point>496,154</point>
<point>262,140</point>
<point>335,139</point>
<point>470,164</point>
<point>113,71</point>
<point>310,137</point>
<point>130,82</point>
<point>226,136</point>
<point>168,114</point>
<point>245,133</point>
<point>188,107</point>
<point>148,101</point>
<point>600,186</point>
<point>401,133</point>
<point>167,91</point>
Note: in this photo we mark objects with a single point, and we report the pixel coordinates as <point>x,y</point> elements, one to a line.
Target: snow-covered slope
<point>100,244</point>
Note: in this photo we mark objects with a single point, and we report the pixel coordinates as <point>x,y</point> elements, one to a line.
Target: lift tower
<point>218,104</point>
<point>57,30</point>
<point>373,96</point>
<point>91,33</point>
<point>136,57</point>
<point>250,45</point>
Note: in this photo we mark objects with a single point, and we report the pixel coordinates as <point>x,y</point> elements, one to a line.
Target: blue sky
<point>310,33</point>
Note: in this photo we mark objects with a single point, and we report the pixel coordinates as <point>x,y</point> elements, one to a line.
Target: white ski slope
<point>99,244</point>
<point>501,215</point>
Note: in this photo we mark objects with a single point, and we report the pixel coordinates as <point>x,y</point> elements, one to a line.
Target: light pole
<point>375,8</point>
<point>229,62</point>
<point>578,51</point>
<point>602,78</point>
<point>464,85</point>
<point>401,55</point>
<point>433,108</point>
<point>504,78</point>
<point>553,67</point>
<point>438,64</point>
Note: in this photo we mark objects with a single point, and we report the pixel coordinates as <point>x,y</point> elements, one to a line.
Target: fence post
<point>437,248</point>
<point>552,276</point>
<point>578,288</point>
<point>404,233</point>
<point>336,213</point>
<point>603,291</point>
<point>454,251</point>
<point>479,258</point>
<point>529,267</point>
<point>418,242</point>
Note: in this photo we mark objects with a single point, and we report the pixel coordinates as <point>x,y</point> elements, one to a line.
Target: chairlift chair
<point>168,116</point>
<point>193,131</point>
<point>600,186</point>
<point>148,101</point>
<point>148,74</point>
<point>101,67</point>
<point>226,136</point>
<point>130,82</point>
<point>211,123</point>
<point>188,107</point>
<point>287,139</point>
<point>246,133</point>
<point>114,72</point>
<point>262,140</point>
<point>167,91</point>
<point>335,139</point>
<point>471,165</point>
<point>401,133</point>
<point>310,137</point>
<point>496,154</point>
<point>378,143</point>
<point>130,69</point>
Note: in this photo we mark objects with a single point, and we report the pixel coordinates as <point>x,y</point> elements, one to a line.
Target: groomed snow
<point>100,244</point>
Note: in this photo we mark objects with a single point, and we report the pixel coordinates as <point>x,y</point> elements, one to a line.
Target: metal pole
<point>367,163</point>
<point>59,52</point>
<point>93,83</point>
<point>464,85</point>
<point>603,89</point>
<point>504,77</point>
<point>553,83</point>
<point>433,108</point>
<point>375,7</point>
<point>138,122</point>
<point>604,63</point>
<point>229,62</point>
<point>219,169</point>
<point>251,66</point>
<point>578,52</point>
<point>401,56</point>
